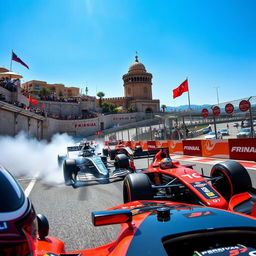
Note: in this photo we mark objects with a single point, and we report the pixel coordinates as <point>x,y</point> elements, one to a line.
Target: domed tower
<point>137,82</point>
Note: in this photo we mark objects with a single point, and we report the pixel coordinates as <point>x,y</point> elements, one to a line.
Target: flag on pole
<point>183,87</point>
<point>17,59</point>
<point>32,100</point>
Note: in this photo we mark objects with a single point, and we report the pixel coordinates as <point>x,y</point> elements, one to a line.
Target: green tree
<point>100,95</point>
<point>60,94</point>
<point>131,109</point>
<point>108,107</point>
<point>163,107</point>
<point>44,92</point>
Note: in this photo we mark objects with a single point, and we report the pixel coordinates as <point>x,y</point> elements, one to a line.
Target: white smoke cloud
<point>27,157</point>
<point>99,146</point>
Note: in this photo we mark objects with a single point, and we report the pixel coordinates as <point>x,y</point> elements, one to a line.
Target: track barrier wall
<point>240,149</point>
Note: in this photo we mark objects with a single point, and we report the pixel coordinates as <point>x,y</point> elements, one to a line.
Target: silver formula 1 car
<point>90,168</point>
<point>84,148</point>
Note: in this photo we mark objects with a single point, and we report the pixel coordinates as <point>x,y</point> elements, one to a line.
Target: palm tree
<point>163,107</point>
<point>100,95</point>
<point>44,92</point>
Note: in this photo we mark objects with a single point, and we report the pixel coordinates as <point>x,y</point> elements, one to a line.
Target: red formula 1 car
<point>228,187</point>
<point>112,149</point>
<point>168,228</point>
<point>147,228</point>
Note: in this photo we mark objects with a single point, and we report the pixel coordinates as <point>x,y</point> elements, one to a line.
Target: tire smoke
<point>26,157</point>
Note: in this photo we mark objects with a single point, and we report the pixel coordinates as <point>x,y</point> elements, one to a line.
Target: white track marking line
<point>30,187</point>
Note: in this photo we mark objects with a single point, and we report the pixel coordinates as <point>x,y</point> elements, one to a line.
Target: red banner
<point>243,149</point>
<point>151,145</point>
<point>192,147</point>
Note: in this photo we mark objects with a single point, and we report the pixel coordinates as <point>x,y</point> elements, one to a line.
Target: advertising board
<point>192,147</point>
<point>243,149</point>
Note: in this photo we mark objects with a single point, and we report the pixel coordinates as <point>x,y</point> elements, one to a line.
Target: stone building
<point>34,87</point>
<point>137,90</point>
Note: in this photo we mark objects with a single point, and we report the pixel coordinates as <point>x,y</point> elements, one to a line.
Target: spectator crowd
<point>12,84</point>
<point>9,84</point>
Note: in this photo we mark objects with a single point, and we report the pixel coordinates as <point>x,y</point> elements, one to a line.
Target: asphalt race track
<point>69,210</point>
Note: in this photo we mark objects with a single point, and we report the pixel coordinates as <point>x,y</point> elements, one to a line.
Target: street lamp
<point>217,92</point>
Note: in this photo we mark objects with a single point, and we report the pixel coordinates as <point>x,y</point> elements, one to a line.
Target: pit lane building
<point>137,90</point>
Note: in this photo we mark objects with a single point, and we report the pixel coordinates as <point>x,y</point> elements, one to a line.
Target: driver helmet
<point>86,146</point>
<point>166,163</point>
<point>18,223</point>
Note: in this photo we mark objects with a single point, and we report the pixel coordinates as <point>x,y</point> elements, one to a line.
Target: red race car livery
<point>165,179</point>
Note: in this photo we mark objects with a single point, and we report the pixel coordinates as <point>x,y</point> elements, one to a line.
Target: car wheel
<point>138,149</point>
<point>112,154</point>
<point>70,171</point>
<point>122,161</point>
<point>105,152</point>
<point>61,158</point>
<point>234,178</point>
<point>137,187</point>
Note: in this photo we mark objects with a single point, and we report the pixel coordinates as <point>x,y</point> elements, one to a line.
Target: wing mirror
<point>111,217</point>
<point>43,226</point>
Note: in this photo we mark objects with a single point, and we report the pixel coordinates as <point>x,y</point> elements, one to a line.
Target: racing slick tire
<point>61,159</point>
<point>138,149</point>
<point>70,171</point>
<point>105,152</point>
<point>122,161</point>
<point>137,186</point>
<point>112,154</point>
<point>235,179</point>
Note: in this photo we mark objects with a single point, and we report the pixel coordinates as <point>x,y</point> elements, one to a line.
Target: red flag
<point>17,59</point>
<point>179,90</point>
<point>32,100</point>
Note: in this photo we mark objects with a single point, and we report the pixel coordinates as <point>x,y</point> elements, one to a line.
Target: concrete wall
<point>88,127</point>
<point>6,93</point>
<point>14,119</point>
<point>14,96</point>
<point>68,108</point>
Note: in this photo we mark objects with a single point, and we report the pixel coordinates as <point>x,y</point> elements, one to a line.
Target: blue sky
<point>92,43</point>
